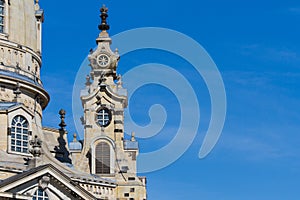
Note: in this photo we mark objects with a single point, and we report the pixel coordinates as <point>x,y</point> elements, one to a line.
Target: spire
<point>103,26</point>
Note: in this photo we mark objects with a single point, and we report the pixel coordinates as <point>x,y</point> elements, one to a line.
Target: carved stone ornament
<point>36,144</point>
<point>44,182</point>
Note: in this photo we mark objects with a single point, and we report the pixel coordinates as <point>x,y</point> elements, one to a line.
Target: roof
<point>7,184</point>
<point>8,105</point>
<point>19,76</point>
<point>8,195</point>
<point>11,162</point>
<point>131,145</point>
<point>21,175</point>
<point>75,145</point>
<point>51,135</point>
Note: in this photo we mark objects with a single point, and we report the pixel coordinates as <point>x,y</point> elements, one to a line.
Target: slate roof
<point>8,105</point>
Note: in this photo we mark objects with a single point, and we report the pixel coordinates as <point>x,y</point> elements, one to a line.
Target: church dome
<point>21,23</point>
<point>20,54</point>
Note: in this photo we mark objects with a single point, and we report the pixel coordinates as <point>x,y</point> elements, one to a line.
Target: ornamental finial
<point>132,137</point>
<point>17,92</point>
<point>103,26</point>
<point>62,114</point>
<point>37,5</point>
<point>36,144</point>
<point>74,137</point>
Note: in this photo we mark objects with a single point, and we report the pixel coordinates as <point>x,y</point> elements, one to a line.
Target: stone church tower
<point>105,151</point>
<point>37,162</point>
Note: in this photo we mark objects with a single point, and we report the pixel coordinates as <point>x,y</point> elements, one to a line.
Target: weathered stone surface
<point>49,165</point>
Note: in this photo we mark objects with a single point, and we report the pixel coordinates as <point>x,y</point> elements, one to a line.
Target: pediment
<point>8,107</point>
<point>56,184</point>
<point>22,107</point>
<point>108,94</point>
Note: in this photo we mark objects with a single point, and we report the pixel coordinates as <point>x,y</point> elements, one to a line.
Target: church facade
<point>38,163</point>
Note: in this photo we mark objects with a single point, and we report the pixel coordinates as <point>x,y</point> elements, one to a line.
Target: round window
<point>103,117</point>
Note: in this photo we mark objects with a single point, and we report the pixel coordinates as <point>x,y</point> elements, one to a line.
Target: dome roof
<point>75,145</point>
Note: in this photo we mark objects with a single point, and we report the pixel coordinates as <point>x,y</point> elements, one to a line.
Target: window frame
<point>36,195</point>
<point>2,16</point>
<point>102,112</point>
<point>10,133</point>
<point>111,145</point>
<point>19,133</point>
<point>102,161</point>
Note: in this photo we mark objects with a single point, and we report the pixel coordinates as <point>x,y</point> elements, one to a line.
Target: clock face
<point>103,60</point>
<point>103,117</point>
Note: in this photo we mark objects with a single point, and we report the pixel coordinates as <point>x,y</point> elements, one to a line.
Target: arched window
<point>19,134</point>
<point>2,4</point>
<point>40,195</point>
<point>102,158</point>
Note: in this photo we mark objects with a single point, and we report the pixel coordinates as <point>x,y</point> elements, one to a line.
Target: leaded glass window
<point>2,10</point>
<point>19,134</point>
<point>103,117</point>
<point>102,158</point>
<point>40,195</point>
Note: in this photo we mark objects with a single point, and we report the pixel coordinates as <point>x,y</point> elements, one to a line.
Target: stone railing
<point>98,190</point>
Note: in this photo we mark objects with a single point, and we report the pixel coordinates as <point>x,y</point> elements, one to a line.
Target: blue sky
<point>255,45</point>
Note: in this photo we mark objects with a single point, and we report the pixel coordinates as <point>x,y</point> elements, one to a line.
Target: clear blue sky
<point>256,47</point>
